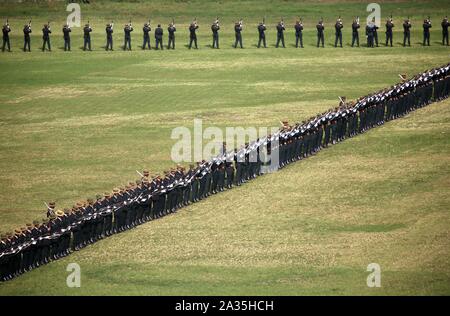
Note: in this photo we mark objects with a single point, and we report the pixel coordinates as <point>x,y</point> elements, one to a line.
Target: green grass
<point>76,124</point>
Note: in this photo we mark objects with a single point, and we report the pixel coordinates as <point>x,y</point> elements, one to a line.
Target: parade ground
<point>79,123</point>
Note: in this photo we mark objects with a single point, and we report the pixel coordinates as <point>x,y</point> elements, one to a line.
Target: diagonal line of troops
<point>153,197</point>
<point>370,33</point>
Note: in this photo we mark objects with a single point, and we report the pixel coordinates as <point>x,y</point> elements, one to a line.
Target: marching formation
<point>149,198</point>
<point>371,34</point>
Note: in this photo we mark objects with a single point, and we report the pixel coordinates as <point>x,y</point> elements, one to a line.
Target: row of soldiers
<point>149,198</point>
<point>371,34</point>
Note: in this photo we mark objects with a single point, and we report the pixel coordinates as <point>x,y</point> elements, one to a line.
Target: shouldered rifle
<point>140,174</point>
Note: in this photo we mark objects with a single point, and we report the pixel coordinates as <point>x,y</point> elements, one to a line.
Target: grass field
<point>76,124</point>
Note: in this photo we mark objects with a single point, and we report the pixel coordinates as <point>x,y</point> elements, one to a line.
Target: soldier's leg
<point>409,39</point>
<point>376,39</point>
<point>282,40</point>
<point>3,49</point>
<point>301,40</point>
<point>49,46</point>
<point>335,40</point>
<point>278,41</point>
<point>318,40</point>
<point>296,40</point>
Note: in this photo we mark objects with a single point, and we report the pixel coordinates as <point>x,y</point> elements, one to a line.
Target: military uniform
<point>6,30</point>
<point>262,34</point>
<point>87,37</point>
<point>215,33</point>
<point>406,33</point>
<point>146,30</point>
<point>320,34</point>
<point>338,27</point>
<point>238,34</point>
<point>66,34</point>
<point>355,33</point>
<point>298,34</point>
<point>127,36</point>
<point>192,35</point>
<point>171,29</point>
<point>280,34</point>
<point>370,28</point>
<point>109,36</point>
<point>389,27</point>
<point>159,37</point>
<point>426,32</point>
<point>46,37</point>
<point>445,24</point>
<point>27,40</point>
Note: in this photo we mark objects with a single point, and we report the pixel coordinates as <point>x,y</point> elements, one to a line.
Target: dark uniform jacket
<point>158,33</point>
<point>66,32</point>
<point>46,33</point>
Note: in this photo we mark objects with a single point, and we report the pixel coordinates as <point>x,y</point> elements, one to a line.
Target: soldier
<point>66,33</point>
<point>426,31</point>
<point>46,37</point>
<point>406,32</point>
<point>192,34</point>
<point>355,32</point>
<point>5,30</point>
<point>171,29</point>
<point>280,33</point>
<point>87,36</point>
<point>50,209</point>
<point>389,27</point>
<point>127,32</point>
<point>215,31</point>
<point>375,32</point>
<point>146,33</point>
<point>338,27</point>
<point>4,257</point>
<point>445,24</point>
<point>320,33</point>
<point>109,36</point>
<point>237,32</point>
<point>370,34</point>
<point>298,33</point>
<point>159,37</point>
<point>26,34</point>
<point>262,34</point>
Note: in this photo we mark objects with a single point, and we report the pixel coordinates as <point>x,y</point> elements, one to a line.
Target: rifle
<point>112,25</point>
<point>357,20</point>
<point>173,21</point>
<point>264,20</point>
<point>46,205</point>
<point>29,24</point>
<point>140,174</point>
